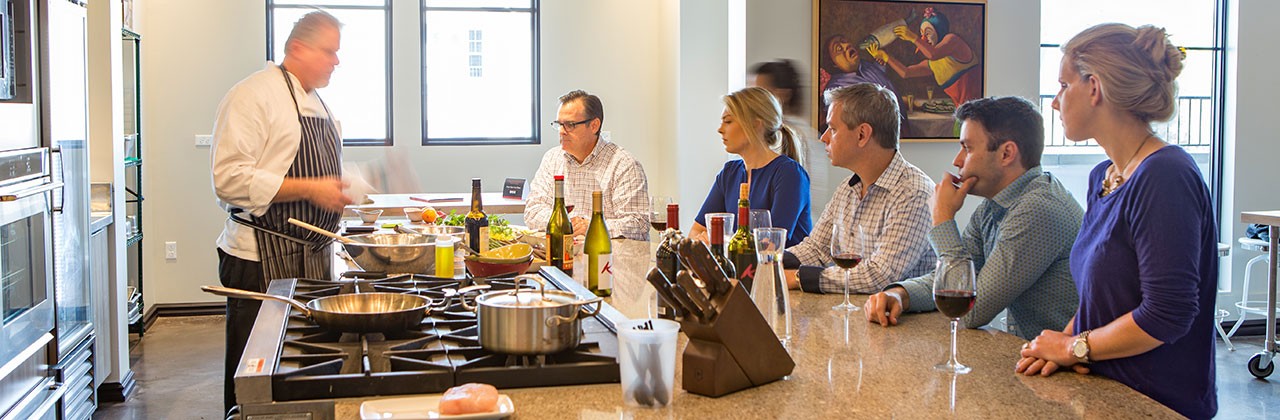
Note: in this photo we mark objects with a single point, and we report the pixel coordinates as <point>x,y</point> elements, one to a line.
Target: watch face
<point>1079,348</point>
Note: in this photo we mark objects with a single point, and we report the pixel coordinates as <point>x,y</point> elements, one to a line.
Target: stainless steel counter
<point>846,367</point>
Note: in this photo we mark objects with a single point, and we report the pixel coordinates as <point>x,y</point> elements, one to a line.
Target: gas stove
<point>291,365</point>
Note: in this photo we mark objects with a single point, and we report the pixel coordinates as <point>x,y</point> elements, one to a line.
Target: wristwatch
<point>1080,347</point>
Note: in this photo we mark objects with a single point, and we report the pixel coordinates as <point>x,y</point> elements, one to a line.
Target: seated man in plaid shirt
<point>886,195</point>
<point>590,163</point>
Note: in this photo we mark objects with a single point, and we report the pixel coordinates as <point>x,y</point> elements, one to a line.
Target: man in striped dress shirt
<point>1019,238</point>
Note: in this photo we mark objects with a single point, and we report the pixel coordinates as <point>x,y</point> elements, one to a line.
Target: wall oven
<point>27,384</point>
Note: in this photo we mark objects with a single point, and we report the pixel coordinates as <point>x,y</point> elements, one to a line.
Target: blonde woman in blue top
<point>1145,262</point>
<point>751,127</point>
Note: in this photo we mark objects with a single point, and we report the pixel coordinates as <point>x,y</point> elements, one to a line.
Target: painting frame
<point>847,33</point>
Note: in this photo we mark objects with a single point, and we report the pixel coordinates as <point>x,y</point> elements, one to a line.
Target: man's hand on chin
<point>948,197</point>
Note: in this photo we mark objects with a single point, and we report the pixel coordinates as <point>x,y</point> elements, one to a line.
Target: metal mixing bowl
<point>394,253</point>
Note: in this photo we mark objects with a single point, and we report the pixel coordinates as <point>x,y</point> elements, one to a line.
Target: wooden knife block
<point>733,351</point>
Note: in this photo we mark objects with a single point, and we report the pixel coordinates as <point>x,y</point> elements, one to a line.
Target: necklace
<point>1114,180</point>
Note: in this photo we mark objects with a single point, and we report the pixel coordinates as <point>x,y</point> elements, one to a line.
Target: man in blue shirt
<point>1019,238</point>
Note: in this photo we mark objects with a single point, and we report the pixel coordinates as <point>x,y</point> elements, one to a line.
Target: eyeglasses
<point>569,126</point>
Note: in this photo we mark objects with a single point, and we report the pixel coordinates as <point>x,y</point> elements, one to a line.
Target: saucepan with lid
<point>531,321</point>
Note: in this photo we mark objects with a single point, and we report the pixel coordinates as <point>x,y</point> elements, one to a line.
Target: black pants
<point>240,274</point>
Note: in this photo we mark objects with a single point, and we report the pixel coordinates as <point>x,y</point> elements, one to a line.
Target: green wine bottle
<point>599,250</point>
<point>560,232</point>
<point>742,248</point>
<point>477,223</point>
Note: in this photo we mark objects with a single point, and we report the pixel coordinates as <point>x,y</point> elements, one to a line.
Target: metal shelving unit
<point>131,49</point>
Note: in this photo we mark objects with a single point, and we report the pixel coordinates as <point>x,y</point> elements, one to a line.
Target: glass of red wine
<point>954,291</point>
<point>848,246</point>
<point>658,212</point>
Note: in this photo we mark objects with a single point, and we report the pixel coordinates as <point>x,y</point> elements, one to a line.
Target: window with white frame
<point>476,68</point>
<point>479,72</point>
<point>359,92</point>
<point>1196,25</point>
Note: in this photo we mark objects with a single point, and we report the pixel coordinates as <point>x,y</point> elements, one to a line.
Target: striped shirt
<point>609,169</point>
<point>894,215</point>
<point>1020,242</point>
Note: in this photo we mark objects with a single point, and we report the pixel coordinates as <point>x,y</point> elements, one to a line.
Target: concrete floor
<point>178,366</point>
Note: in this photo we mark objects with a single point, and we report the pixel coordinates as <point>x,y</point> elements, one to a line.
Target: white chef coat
<point>255,140</point>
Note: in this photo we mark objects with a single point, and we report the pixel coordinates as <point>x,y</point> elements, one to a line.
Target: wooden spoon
<point>315,229</point>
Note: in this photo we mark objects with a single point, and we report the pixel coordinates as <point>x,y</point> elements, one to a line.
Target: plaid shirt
<point>894,215</point>
<point>609,169</point>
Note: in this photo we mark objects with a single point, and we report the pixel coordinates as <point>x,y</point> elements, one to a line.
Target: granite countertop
<point>848,367</point>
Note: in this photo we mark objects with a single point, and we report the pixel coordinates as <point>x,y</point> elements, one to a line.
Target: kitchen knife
<point>685,280</point>
<point>660,283</point>
<point>686,299</point>
<point>696,256</point>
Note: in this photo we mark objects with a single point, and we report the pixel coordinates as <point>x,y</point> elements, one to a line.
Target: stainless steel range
<point>291,366</point>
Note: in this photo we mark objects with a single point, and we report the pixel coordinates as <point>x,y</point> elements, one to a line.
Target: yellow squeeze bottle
<point>444,256</point>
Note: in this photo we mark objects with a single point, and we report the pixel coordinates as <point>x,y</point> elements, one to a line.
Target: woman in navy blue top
<point>752,128</point>
<point>1145,261</point>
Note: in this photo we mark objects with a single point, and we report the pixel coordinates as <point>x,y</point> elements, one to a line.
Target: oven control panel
<point>23,165</point>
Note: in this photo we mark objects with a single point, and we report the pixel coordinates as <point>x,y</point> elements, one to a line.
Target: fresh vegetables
<point>500,230</point>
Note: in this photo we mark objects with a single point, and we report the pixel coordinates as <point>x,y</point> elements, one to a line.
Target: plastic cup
<point>729,227</point>
<point>647,360</point>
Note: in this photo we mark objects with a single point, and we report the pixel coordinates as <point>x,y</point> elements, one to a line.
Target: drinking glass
<point>658,212</point>
<point>928,91</point>
<point>729,228</point>
<point>759,218</point>
<point>770,294</point>
<point>848,247</point>
<point>954,291</point>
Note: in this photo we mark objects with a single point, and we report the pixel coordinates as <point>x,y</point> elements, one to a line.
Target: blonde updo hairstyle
<point>1135,66</point>
<point>755,104</point>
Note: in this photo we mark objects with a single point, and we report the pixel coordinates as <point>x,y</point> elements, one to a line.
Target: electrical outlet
<point>204,140</point>
<point>170,250</point>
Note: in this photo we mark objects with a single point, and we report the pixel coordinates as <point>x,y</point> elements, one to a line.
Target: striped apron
<point>288,251</point>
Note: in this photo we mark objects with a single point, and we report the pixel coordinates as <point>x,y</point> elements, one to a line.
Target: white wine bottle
<point>599,250</point>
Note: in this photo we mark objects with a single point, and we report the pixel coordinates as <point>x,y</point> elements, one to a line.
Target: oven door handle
<point>31,191</point>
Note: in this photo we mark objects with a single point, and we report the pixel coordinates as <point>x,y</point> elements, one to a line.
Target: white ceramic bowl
<point>369,216</point>
<point>414,213</point>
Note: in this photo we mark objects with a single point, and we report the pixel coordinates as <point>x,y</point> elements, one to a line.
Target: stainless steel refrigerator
<point>64,129</point>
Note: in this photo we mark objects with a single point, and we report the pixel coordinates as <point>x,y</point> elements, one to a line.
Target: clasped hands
<point>1048,353</point>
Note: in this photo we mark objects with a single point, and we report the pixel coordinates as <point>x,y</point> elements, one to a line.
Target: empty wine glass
<point>848,247</point>
<point>759,218</point>
<point>954,292</point>
<point>658,212</point>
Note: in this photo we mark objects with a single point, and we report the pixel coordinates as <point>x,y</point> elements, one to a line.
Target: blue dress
<point>782,187</point>
<point>1150,247</point>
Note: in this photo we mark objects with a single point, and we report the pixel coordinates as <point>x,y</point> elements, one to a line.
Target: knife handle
<point>685,280</point>
<point>697,257</point>
<point>663,287</point>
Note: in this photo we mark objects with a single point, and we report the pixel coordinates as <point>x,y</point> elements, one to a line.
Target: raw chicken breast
<point>469,398</point>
